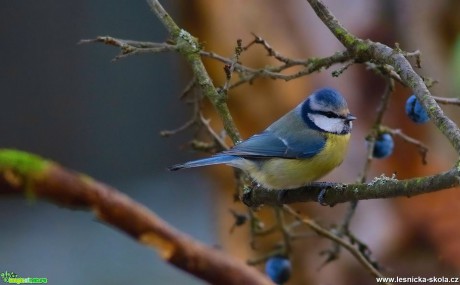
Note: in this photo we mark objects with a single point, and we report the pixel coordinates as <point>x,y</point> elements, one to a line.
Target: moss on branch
<point>21,172</point>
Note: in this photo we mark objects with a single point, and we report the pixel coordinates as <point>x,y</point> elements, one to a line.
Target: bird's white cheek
<point>332,125</point>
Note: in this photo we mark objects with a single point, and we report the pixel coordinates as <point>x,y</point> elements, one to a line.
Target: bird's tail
<point>218,159</point>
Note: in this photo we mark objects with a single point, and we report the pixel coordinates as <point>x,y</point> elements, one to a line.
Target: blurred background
<point>70,103</point>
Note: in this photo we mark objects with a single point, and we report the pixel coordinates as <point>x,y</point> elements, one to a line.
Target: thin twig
<point>257,228</point>
<point>185,126</point>
<point>229,68</point>
<point>376,128</point>
<point>240,219</point>
<point>130,47</point>
<point>338,72</point>
<point>325,233</point>
<point>447,101</point>
<point>272,52</point>
<point>390,86</point>
<point>418,57</point>
<point>283,229</point>
<point>216,137</point>
<point>422,148</point>
<point>195,112</point>
<point>310,65</point>
<point>384,70</point>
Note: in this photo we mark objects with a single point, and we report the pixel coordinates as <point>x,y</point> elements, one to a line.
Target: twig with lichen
<point>334,193</point>
<point>188,46</point>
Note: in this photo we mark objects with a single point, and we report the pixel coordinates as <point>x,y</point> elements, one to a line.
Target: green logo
<point>13,278</point>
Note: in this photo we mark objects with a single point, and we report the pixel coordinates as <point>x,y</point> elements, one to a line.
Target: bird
<point>300,147</point>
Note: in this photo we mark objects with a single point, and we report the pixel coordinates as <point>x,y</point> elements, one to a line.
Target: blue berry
<point>278,268</point>
<point>383,146</point>
<point>415,111</point>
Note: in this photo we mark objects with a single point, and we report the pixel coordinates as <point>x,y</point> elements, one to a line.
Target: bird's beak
<point>350,117</point>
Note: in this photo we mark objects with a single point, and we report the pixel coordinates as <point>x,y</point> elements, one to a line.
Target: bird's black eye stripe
<point>330,114</point>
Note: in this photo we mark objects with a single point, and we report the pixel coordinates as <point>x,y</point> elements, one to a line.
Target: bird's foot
<point>322,197</point>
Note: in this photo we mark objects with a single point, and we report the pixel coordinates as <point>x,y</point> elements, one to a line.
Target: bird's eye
<point>330,115</point>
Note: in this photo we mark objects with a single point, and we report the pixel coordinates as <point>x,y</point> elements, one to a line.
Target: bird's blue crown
<point>329,98</point>
<point>322,101</point>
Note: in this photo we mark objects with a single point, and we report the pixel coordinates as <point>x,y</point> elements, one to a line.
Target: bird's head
<point>327,111</point>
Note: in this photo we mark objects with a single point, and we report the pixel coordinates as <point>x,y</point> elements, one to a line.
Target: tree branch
<point>189,47</point>
<point>247,74</point>
<point>334,193</point>
<point>22,172</point>
<point>129,47</point>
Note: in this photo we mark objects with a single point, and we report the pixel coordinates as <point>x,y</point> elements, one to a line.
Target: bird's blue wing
<point>267,144</point>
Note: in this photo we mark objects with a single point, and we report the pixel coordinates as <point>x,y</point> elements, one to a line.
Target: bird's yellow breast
<point>280,173</point>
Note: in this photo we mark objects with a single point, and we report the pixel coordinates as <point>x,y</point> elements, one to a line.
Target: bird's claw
<point>322,197</point>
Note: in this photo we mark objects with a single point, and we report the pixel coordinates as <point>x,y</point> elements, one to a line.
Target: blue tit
<point>300,147</point>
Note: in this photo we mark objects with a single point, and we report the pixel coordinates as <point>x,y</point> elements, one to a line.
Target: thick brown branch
<point>21,172</point>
